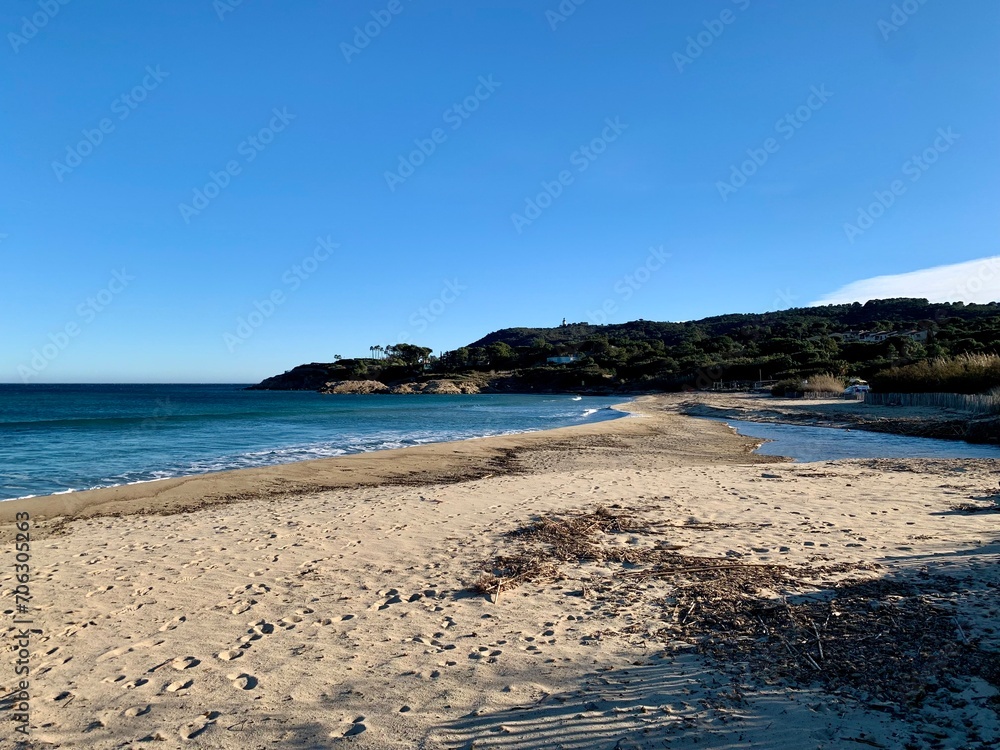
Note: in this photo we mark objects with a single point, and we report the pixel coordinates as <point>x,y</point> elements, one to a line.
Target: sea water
<point>60,438</point>
<point>806,443</point>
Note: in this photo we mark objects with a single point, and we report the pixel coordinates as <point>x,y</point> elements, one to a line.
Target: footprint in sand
<point>174,687</point>
<point>116,652</point>
<point>134,711</point>
<point>390,601</point>
<point>99,590</point>
<point>172,625</point>
<point>242,681</point>
<point>184,662</point>
<point>96,724</point>
<point>260,627</point>
<point>253,588</point>
<point>351,728</point>
<point>192,729</point>
<point>233,653</point>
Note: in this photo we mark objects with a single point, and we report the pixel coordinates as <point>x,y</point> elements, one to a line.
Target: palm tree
<point>371,350</point>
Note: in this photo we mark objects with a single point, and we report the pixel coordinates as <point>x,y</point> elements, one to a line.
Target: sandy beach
<point>332,603</point>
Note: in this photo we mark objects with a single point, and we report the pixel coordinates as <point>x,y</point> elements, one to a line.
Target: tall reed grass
<point>824,384</point>
<point>967,373</point>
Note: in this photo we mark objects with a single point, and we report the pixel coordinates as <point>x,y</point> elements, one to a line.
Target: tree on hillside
<point>457,359</point>
<point>409,354</point>
<point>501,355</point>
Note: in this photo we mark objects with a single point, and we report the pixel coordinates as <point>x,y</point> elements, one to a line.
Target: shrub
<point>968,373</point>
<point>785,387</point>
<point>824,384</point>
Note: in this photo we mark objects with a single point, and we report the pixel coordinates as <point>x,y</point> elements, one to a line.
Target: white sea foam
<point>473,417</point>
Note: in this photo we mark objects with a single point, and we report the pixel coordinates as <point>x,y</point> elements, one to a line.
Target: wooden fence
<point>975,404</point>
<point>827,396</point>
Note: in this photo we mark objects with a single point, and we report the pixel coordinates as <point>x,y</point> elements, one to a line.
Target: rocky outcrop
<point>449,386</point>
<point>446,387</point>
<point>354,386</point>
<point>405,389</point>
<point>338,378</point>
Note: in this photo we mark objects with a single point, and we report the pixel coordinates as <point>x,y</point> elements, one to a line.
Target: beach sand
<point>329,603</point>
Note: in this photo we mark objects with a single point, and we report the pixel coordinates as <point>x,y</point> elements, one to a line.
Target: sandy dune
<point>328,605</point>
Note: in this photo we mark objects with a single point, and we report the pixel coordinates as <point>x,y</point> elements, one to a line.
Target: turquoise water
<point>59,438</point>
<point>804,443</point>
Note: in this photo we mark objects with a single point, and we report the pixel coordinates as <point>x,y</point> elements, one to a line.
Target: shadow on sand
<point>678,698</point>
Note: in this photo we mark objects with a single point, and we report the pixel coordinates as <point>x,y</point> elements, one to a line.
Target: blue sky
<point>216,192</point>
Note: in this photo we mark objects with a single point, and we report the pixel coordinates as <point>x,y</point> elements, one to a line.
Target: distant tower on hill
<point>564,321</point>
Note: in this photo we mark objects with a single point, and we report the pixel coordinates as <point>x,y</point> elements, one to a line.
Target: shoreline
<point>923,422</point>
<point>117,493</point>
<point>451,460</point>
<point>429,463</point>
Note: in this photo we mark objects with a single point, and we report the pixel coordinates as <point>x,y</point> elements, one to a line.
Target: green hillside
<point>843,340</point>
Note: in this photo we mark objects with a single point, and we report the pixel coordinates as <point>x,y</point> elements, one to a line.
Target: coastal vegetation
<point>897,344</point>
<point>967,373</point>
<point>818,384</point>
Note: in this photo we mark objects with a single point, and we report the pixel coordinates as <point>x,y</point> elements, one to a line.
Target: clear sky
<point>216,192</point>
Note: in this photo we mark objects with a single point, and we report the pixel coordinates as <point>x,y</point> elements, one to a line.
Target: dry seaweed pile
<point>876,639</point>
<point>975,508</point>
<point>992,505</point>
<point>542,545</point>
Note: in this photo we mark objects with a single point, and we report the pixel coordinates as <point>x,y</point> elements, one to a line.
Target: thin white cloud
<point>975,281</point>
